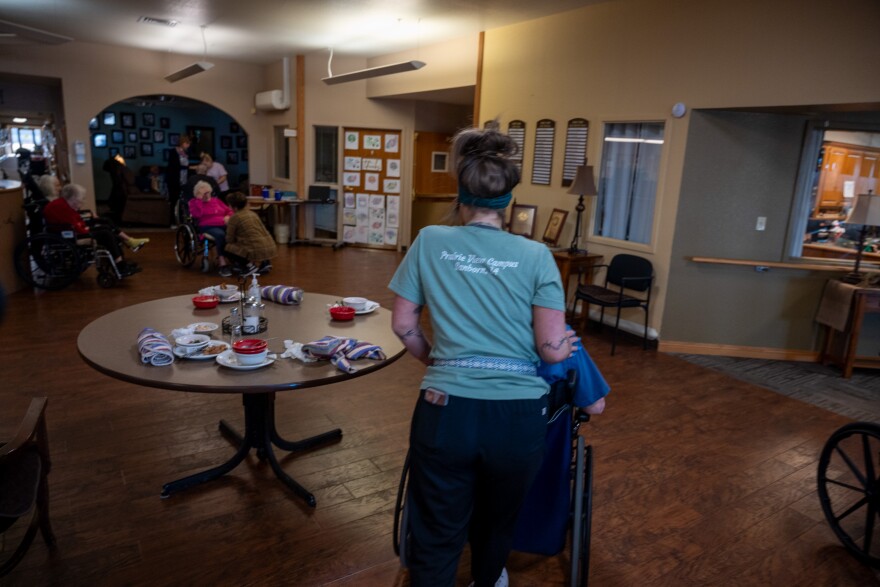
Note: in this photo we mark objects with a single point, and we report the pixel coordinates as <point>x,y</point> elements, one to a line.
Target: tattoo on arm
<point>554,346</point>
<point>413,332</point>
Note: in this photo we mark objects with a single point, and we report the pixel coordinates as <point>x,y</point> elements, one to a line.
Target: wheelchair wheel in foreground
<point>47,261</point>
<point>400,534</point>
<point>580,520</point>
<point>185,243</point>
<point>849,488</point>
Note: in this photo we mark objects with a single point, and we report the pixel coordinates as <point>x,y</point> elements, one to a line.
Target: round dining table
<point>109,344</point>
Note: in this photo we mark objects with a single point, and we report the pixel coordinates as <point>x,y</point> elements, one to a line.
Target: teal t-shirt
<point>479,285</point>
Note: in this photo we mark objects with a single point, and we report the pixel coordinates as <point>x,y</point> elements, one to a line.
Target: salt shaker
<point>251,316</point>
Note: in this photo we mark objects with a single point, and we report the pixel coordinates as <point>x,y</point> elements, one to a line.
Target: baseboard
<point>745,352</point>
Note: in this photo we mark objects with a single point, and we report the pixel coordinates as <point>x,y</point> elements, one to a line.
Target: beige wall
<point>633,60</point>
<point>95,76</point>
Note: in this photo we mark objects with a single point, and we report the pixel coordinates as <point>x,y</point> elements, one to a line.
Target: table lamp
<point>583,185</point>
<point>867,213</point>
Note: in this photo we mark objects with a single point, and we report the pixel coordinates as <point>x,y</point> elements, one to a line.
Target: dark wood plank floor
<point>700,479</point>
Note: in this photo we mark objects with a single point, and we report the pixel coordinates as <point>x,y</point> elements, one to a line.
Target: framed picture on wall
<point>109,119</point>
<point>554,226</point>
<point>158,136</point>
<point>149,119</point>
<point>99,139</point>
<point>202,139</point>
<point>174,138</point>
<point>522,220</point>
<point>164,122</point>
<point>233,127</point>
<point>127,120</point>
<point>438,161</point>
<point>232,157</point>
<point>145,134</point>
<point>117,136</point>
<point>225,142</point>
<point>241,142</point>
<point>114,151</point>
<point>146,149</point>
<point>93,124</point>
<point>129,152</point>
<point>132,137</point>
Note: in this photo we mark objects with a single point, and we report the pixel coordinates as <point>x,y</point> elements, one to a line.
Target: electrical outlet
<point>762,223</point>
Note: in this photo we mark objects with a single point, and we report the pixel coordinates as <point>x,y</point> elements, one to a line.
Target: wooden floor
<point>699,479</point>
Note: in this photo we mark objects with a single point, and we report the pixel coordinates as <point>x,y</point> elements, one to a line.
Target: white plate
<point>228,359</point>
<point>198,355</point>
<point>203,327</point>
<point>371,307</point>
<point>192,341</point>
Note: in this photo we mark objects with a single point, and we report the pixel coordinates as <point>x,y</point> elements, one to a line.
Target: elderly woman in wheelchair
<point>209,215</point>
<point>66,210</point>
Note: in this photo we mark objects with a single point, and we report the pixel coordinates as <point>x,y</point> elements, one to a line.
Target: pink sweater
<point>210,213</point>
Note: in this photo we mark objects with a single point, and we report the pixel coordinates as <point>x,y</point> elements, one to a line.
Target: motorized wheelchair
<point>545,519</point>
<point>849,488</point>
<point>53,257</point>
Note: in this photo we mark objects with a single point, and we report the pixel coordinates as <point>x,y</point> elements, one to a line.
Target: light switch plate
<point>762,223</point>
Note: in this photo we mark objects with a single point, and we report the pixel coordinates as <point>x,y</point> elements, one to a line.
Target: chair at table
<point>24,466</point>
<point>626,273</point>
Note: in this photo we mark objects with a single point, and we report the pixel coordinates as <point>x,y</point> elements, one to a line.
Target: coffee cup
<point>358,304</point>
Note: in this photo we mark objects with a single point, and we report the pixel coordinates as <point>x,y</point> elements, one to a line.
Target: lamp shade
<point>583,184</point>
<point>866,211</point>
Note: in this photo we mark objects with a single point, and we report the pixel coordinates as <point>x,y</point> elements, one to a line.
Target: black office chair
<point>24,466</point>
<point>625,272</point>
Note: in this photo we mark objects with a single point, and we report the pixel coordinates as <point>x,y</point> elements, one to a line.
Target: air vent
<point>159,21</point>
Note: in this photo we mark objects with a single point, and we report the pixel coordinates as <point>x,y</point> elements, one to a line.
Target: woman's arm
<point>405,324</point>
<point>553,341</point>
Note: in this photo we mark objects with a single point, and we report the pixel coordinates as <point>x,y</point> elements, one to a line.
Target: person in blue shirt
<point>496,308</point>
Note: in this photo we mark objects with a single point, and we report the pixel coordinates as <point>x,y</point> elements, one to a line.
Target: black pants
<point>471,464</point>
<point>106,237</point>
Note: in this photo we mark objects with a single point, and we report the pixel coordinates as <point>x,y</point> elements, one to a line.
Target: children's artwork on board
<point>351,140</point>
<point>360,234</point>
<point>348,200</point>
<point>372,164</point>
<point>392,143</point>
<point>371,182</point>
<point>393,168</point>
<point>349,217</point>
<point>351,164</point>
<point>377,235</point>
<point>391,186</point>
<point>351,179</point>
<point>348,234</point>
<point>377,201</point>
<point>372,142</point>
<point>363,200</point>
<point>390,236</point>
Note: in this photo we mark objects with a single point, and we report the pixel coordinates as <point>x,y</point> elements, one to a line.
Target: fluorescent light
<point>374,72</point>
<point>19,120</point>
<point>33,34</point>
<point>627,140</point>
<point>189,70</point>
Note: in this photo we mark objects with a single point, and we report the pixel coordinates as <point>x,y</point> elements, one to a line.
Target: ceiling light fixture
<point>19,120</point>
<point>379,71</point>
<point>197,67</point>
<point>38,35</point>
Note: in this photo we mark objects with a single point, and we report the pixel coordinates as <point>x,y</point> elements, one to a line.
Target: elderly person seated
<point>211,215</point>
<point>49,186</point>
<point>66,210</point>
<point>247,240</point>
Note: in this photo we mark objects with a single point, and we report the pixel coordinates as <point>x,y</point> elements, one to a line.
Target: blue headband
<point>496,203</point>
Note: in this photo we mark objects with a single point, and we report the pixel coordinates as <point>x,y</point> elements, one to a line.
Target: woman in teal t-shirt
<point>496,308</point>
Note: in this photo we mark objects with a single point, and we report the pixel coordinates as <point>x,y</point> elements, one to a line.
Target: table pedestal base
<point>259,434</point>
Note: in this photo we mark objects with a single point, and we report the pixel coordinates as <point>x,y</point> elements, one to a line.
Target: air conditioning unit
<point>271,100</point>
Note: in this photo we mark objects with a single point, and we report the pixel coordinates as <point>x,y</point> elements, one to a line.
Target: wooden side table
<point>574,264</point>
<point>840,348</point>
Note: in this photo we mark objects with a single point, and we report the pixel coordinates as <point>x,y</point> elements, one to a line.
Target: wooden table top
<point>109,344</point>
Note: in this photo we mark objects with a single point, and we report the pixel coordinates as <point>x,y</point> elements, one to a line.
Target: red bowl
<point>342,313</point>
<point>205,302</point>
<point>249,346</point>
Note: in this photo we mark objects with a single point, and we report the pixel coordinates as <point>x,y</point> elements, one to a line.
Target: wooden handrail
<point>774,264</point>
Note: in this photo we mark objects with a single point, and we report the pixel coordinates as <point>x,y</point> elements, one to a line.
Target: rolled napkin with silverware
<point>154,348</point>
<point>282,294</point>
<point>339,351</point>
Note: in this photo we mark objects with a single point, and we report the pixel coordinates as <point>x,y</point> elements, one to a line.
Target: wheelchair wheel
<point>47,261</point>
<point>580,498</point>
<point>185,243</point>
<point>400,535</point>
<point>849,488</point>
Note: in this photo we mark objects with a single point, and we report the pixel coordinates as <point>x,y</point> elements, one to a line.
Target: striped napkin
<point>154,348</point>
<point>341,351</point>
<point>282,294</point>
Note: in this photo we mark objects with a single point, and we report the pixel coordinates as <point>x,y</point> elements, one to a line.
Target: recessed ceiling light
<point>159,21</point>
<point>19,120</point>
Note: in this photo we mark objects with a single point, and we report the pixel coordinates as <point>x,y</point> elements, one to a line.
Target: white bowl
<point>252,358</point>
<point>225,292</point>
<point>357,303</point>
<point>207,328</point>
<point>192,341</point>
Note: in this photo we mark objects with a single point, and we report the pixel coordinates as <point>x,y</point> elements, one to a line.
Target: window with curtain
<point>628,180</point>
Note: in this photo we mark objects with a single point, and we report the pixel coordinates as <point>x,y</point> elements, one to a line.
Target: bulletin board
<point>371,187</point>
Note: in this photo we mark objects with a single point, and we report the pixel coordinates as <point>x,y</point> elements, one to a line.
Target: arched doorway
<point>144,130</point>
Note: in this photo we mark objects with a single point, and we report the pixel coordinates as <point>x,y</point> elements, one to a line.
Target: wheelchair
<point>545,522</point>
<point>52,258</point>
<point>189,243</point>
<point>849,489</point>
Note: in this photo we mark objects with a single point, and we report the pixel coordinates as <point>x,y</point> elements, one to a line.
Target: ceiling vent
<point>159,21</point>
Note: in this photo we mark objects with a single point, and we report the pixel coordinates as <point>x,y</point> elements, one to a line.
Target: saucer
<point>370,307</point>
<point>199,355</point>
<point>228,359</point>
